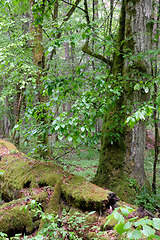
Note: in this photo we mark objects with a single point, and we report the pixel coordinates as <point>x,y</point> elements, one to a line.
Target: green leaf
<point>157,237</point>
<point>148,231</point>
<point>60,137</point>
<point>82,129</point>
<point>109,218</point>
<point>156,223</point>
<point>143,222</point>
<point>16,126</point>
<point>133,219</point>
<point>83,35</point>
<point>136,234</point>
<point>137,86</point>
<point>128,225</point>
<point>2,172</point>
<point>90,213</point>
<point>93,129</point>
<point>74,144</point>
<point>57,127</point>
<point>120,228</point>
<point>50,49</point>
<point>70,139</point>
<point>63,125</point>
<point>119,217</point>
<point>146,89</point>
<point>126,211</point>
<point>49,90</point>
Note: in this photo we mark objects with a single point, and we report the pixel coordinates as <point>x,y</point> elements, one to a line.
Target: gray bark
<point>122,150</point>
<point>139,16</point>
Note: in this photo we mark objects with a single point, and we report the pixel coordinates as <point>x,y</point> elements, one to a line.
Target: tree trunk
<point>39,62</point>
<point>122,149</point>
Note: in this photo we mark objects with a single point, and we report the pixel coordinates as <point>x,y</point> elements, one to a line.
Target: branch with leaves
<point>85,47</point>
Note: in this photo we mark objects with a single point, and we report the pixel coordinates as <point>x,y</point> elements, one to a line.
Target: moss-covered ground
<point>83,162</point>
<point>23,177</point>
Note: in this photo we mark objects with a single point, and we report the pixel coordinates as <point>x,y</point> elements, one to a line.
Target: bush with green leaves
<point>132,227</point>
<point>67,226</point>
<point>147,200</point>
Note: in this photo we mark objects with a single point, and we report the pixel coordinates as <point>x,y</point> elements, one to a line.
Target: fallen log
<point>22,178</point>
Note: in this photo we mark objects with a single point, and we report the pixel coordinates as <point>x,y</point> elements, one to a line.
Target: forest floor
<point>84,161</point>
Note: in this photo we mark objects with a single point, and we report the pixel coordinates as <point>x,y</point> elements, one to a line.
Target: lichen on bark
<point>123,158</point>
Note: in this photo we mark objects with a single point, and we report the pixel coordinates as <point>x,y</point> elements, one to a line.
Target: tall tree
<point>122,148</point>
<point>39,61</point>
<point>155,94</point>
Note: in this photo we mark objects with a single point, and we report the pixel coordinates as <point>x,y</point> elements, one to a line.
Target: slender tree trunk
<point>111,16</point>
<point>155,111</point>
<point>39,62</point>
<point>122,149</point>
<point>18,104</point>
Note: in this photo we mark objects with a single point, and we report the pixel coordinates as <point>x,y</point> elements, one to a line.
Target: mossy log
<point>23,178</point>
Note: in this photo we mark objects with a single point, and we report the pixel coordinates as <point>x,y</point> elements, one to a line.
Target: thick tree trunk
<point>122,150</point>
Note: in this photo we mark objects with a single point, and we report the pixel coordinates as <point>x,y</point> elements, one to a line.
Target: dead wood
<point>25,179</point>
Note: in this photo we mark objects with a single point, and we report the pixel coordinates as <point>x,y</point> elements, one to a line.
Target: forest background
<point>56,80</point>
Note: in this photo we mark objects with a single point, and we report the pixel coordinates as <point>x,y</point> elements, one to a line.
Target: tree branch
<point>73,5</point>
<point>71,11</point>
<point>86,12</point>
<point>66,18</point>
<point>86,49</point>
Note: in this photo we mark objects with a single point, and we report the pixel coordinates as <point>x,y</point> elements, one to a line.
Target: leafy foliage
<point>132,227</point>
<point>147,200</point>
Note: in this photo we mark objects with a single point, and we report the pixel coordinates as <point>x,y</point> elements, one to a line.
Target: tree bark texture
<point>122,149</point>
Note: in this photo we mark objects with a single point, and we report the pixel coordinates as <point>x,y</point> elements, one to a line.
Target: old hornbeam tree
<point>122,148</point>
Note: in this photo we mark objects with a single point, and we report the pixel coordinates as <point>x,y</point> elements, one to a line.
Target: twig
<point>67,152</point>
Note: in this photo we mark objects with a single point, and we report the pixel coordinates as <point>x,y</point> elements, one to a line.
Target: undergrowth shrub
<point>147,200</point>
<point>132,227</point>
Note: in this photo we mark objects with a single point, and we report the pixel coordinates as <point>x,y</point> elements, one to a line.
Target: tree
<point>123,92</point>
<point>122,150</point>
<point>155,95</point>
<point>39,61</point>
<point>14,66</point>
<point>37,12</point>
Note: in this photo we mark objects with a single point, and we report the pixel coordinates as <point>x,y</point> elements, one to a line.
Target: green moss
<point>15,220</point>
<point>22,172</point>
<point>93,235</point>
<point>12,203</point>
<point>8,145</point>
<point>92,218</point>
<point>134,2</point>
<point>111,165</point>
<point>129,42</point>
<point>118,60</point>
<point>41,198</point>
<point>83,194</point>
<point>54,202</point>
